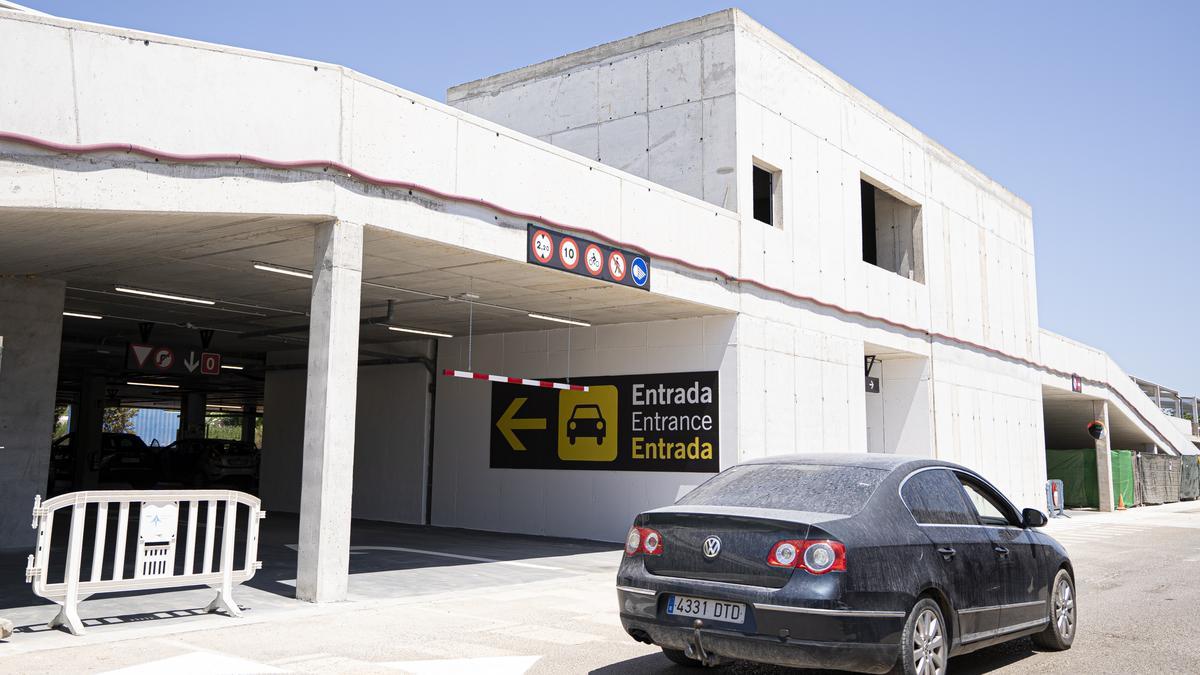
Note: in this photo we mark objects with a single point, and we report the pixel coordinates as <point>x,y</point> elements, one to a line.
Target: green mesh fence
<point>1122,476</point>
<point>1077,470</point>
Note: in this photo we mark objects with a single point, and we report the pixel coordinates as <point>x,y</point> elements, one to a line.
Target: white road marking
<point>198,663</point>
<point>493,665</point>
<point>457,556</point>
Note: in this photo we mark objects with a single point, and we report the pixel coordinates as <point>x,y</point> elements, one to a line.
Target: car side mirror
<point>1033,518</point>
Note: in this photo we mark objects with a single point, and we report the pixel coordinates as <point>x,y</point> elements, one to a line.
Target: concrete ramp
<point>1135,421</point>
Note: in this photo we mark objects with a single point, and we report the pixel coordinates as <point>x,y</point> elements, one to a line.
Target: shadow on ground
<point>982,661</point>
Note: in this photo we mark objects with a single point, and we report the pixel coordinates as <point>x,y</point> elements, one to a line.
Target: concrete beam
<point>328,472</point>
<point>1104,457</point>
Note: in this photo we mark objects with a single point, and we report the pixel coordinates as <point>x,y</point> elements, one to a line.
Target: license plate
<point>703,608</point>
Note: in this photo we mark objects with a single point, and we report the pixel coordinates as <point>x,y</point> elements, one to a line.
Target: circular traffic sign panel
<point>593,259</point>
<point>568,253</point>
<point>616,266</point>
<point>163,358</point>
<point>639,271</point>
<point>543,246</point>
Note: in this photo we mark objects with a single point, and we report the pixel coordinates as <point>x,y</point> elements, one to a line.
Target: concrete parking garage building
<point>783,266</point>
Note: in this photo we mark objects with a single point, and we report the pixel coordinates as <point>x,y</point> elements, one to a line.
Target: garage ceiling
<point>1067,415</point>
<point>210,256</point>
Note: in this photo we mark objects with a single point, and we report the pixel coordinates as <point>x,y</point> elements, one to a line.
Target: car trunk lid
<point>746,537</point>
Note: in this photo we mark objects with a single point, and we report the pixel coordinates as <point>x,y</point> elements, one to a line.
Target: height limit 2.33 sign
<point>584,257</point>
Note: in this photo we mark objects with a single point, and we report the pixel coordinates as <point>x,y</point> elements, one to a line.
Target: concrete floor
<point>547,606</point>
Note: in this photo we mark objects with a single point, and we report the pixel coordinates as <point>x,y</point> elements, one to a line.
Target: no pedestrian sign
<point>584,257</point>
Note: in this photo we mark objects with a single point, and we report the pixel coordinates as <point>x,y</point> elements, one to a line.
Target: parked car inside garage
<point>123,458</point>
<point>854,562</point>
<point>203,461</point>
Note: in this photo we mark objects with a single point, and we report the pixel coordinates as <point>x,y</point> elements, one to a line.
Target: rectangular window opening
<point>892,236</point>
<point>768,196</point>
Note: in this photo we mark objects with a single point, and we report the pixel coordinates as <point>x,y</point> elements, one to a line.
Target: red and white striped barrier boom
<point>545,384</point>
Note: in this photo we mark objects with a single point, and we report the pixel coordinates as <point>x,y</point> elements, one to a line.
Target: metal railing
<point>155,563</point>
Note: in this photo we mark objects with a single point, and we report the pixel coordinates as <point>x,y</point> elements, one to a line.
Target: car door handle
<point>947,552</point>
<point>1001,551</point>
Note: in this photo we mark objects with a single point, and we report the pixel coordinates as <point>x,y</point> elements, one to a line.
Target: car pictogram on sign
<point>543,246</point>
<point>568,253</point>
<point>616,265</point>
<point>593,259</point>
<point>586,420</point>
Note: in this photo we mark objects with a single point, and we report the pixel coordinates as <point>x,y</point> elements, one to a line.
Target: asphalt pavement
<point>554,611</point>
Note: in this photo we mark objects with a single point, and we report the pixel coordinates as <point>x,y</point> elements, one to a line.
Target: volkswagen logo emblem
<point>712,547</point>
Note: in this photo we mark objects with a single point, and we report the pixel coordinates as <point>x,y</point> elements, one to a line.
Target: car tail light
<point>816,556</point>
<point>643,540</point>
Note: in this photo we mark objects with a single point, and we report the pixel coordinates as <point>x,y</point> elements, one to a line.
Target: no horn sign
<point>548,248</point>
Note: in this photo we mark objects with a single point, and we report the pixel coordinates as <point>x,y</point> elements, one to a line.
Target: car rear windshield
<point>817,488</point>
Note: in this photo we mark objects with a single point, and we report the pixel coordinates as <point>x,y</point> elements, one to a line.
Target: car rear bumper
<point>783,635</point>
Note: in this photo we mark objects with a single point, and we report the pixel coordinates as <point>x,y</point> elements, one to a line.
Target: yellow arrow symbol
<point>508,423</point>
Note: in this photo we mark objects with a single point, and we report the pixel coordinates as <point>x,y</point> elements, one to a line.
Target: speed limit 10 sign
<point>548,248</point>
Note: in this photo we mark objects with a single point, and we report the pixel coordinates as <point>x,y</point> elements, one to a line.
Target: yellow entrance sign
<point>509,423</point>
<point>588,424</point>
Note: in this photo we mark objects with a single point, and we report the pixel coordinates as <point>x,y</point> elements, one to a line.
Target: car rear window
<point>818,488</point>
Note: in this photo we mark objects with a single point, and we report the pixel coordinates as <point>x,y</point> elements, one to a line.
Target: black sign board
<point>170,360</point>
<point>584,257</point>
<point>872,385</point>
<point>666,422</point>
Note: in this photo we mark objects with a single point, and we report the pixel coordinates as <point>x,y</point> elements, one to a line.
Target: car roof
<point>869,460</point>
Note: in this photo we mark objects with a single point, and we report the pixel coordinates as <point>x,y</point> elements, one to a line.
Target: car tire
<point>677,656</point>
<point>1059,635</point>
<point>925,644</point>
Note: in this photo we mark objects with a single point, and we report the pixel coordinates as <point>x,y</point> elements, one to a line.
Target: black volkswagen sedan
<point>851,562</point>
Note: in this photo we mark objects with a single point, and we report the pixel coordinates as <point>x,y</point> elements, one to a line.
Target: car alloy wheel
<point>928,643</point>
<point>1064,608</point>
<point>1061,624</point>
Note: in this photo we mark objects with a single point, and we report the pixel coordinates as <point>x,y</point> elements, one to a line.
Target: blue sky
<point>1087,110</point>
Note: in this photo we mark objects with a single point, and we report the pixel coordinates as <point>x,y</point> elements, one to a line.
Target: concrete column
<point>1104,457</point>
<point>89,432</point>
<point>192,408</point>
<point>31,324</point>
<point>248,419</point>
<point>330,399</point>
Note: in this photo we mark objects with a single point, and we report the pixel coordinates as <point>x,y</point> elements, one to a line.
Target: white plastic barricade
<point>155,562</point>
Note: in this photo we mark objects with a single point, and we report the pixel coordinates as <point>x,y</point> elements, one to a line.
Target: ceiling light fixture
<point>559,319</point>
<point>417,331</point>
<point>281,269</point>
<point>216,406</point>
<point>227,367</point>
<point>164,296</point>
<point>157,385</point>
<point>79,315</point>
